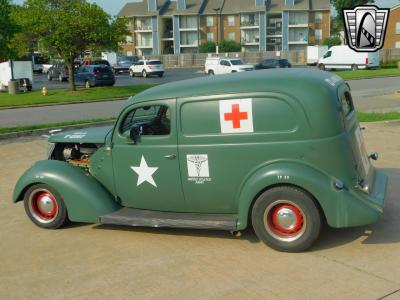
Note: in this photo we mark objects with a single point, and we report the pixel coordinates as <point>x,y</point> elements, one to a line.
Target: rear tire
<point>211,72</point>
<point>45,207</point>
<point>87,84</point>
<point>49,78</point>
<point>286,219</point>
<point>144,74</point>
<point>131,73</point>
<point>354,67</point>
<point>60,78</point>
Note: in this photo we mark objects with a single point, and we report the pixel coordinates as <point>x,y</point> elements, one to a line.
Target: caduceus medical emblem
<point>198,161</point>
<point>365,27</point>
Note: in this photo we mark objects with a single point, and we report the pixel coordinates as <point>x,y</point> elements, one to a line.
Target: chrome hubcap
<point>284,220</point>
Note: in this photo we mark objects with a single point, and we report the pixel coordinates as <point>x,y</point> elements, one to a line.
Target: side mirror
<point>134,134</point>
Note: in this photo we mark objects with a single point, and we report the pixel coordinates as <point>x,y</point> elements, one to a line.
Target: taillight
<point>95,73</point>
<point>366,61</point>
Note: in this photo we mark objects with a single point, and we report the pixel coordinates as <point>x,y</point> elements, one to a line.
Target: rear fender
<point>318,184</point>
<point>85,198</point>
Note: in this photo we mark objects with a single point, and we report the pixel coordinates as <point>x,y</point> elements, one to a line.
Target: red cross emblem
<point>235,116</point>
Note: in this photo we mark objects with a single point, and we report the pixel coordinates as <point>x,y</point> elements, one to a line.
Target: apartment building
<point>180,26</point>
<point>392,38</point>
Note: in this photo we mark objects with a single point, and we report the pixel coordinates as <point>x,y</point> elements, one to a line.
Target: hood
<point>95,135</point>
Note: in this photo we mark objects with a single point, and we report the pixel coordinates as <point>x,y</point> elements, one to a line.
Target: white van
<point>342,57</point>
<point>217,65</point>
<point>314,53</point>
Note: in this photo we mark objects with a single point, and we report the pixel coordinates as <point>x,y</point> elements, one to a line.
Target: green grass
<point>363,74</point>
<point>50,125</point>
<point>63,96</point>
<point>376,117</point>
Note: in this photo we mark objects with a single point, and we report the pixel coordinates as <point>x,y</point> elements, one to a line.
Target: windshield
<point>236,62</point>
<point>154,62</point>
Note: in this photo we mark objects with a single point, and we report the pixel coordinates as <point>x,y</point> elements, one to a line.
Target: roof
<point>320,5</point>
<point>231,6</point>
<point>138,9</point>
<point>299,5</point>
<point>302,80</point>
<point>193,7</point>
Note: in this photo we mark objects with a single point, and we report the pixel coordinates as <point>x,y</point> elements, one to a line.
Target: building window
<point>210,36</point>
<point>318,34</point>
<point>397,45</point>
<point>318,17</point>
<point>231,20</point>
<point>397,27</point>
<point>210,21</point>
<point>231,36</point>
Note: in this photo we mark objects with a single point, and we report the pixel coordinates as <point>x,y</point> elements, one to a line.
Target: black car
<point>272,64</point>
<point>58,71</point>
<point>95,75</point>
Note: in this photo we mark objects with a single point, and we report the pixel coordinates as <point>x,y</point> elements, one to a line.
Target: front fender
<point>314,181</point>
<point>85,198</point>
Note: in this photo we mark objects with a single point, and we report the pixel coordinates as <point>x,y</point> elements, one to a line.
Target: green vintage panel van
<point>279,150</point>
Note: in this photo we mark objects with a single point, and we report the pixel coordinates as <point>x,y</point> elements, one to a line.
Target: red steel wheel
<point>284,220</point>
<point>45,207</point>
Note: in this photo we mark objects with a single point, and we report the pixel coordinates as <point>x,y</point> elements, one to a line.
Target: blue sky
<point>112,7</point>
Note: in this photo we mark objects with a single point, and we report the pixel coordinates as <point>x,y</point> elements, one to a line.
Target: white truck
<point>217,65</point>
<point>314,53</point>
<point>342,57</point>
<point>22,71</point>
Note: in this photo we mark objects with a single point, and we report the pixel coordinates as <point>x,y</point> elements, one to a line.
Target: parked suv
<point>146,68</point>
<point>95,75</point>
<point>216,65</point>
<point>224,152</point>
<point>59,71</point>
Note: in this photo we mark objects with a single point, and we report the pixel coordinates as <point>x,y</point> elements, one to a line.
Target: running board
<point>147,218</point>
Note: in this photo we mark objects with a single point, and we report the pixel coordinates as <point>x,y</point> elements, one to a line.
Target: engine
<point>75,154</point>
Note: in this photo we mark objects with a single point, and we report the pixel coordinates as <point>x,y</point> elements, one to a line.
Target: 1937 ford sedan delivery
<point>281,151</point>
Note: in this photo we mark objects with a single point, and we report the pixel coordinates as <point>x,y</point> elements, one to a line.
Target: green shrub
<point>207,47</point>
<point>229,46</point>
<point>389,64</point>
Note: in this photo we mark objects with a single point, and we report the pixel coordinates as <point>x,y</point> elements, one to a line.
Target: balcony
<point>274,32</point>
<point>250,41</point>
<point>188,29</point>
<point>249,24</point>
<point>298,25</point>
<point>168,35</point>
<point>189,45</point>
<point>143,28</point>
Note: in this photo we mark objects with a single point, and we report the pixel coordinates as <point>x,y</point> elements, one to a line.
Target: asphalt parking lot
<point>102,262</point>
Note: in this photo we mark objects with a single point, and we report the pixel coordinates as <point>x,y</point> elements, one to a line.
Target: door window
<point>151,120</point>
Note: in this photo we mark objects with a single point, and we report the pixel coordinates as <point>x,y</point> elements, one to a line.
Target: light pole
<point>217,10</point>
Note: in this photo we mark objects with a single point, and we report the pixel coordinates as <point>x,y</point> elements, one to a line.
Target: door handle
<point>170,156</point>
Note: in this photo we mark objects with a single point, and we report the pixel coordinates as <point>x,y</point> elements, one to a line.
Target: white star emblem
<point>145,173</point>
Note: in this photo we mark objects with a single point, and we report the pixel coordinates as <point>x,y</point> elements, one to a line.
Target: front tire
<point>45,207</point>
<point>286,219</point>
<point>131,73</point>
<point>87,84</point>
<point>49,78</point>
<point>60,78</point>
<point>321,67</point>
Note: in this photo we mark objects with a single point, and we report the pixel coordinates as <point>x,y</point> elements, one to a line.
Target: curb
<point>63,103</point>
<point>37,132</point>
<point>391,76</point>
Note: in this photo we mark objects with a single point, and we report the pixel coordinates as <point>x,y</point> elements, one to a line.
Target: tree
<point>67,28</point>
<point>332,41</point>
<point>337,23</point>
<point>7,30</point>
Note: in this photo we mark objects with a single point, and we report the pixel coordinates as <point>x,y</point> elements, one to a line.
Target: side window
<point>347,103</point>
<point>151,120</point>
<point>328,54</point>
